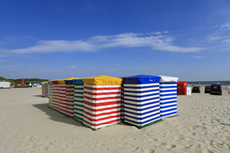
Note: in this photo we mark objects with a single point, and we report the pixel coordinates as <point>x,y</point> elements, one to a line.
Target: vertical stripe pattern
<point>168,99</point>
<point>101,105</point>
<point>141,103</point>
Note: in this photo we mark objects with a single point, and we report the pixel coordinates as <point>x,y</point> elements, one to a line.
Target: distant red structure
<point>22,81</point>
<point>181,88</point>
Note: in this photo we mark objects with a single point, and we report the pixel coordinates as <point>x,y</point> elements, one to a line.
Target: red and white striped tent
<point>102,101</point>
<point>66,106</point>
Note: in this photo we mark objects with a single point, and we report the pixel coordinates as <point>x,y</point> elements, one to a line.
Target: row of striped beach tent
<point>101,101</point>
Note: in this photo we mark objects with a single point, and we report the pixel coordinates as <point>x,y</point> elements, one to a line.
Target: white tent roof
<point>168,78</point>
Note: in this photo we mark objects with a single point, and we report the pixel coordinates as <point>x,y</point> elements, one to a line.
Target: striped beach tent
<point>69,96</point>
<point>62,96</point>
<point>122,100</point>
<point>78,99</point>
<point>168,96</point>
<point>141,100</point>
<point>102,101</point>
<point>43,90</point>
<point>50,94</point>
<point>55,95</point>
<point>65,106</point>
<point>46,89</point>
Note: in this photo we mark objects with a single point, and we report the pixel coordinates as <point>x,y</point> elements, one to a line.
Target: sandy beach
<point>28,125</point>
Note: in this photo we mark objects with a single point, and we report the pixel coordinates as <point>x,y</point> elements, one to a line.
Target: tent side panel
<point>168,99</point>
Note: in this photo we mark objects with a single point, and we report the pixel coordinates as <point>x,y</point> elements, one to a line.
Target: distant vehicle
<point>4,85</point>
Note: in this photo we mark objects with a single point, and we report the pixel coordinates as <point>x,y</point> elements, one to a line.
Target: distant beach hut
<point>50,94</point>
<point>141,100</point>
<point>78,99</point>
<point>216,89</point>
<point>207,89</point>
<point>189,91</point>
<point>55,95</point>
<point>102,101</point>
<point>43,90</point>
<point>168,96</point>
<point>46,89</point>
<point>181,88</point>
<point>196,89</point>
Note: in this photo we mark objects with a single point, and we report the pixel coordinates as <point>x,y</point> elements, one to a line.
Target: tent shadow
<point>56,116</point>
<point>37,95</point>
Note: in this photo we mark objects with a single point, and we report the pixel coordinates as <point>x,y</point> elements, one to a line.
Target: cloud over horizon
<point>155,40</point>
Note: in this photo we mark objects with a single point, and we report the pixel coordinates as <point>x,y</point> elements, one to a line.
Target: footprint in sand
<point>149,150</point>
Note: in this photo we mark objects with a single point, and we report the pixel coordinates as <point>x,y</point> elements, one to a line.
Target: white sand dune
<point>28,125</point>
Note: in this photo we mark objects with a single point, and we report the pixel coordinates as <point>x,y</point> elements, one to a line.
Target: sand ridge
<point>28,125</point>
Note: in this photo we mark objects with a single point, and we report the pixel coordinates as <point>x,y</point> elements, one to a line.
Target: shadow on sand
<point>56,116</point>
<point>37,95</point>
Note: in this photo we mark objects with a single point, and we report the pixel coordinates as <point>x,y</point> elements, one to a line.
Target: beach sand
<point>28,125</point>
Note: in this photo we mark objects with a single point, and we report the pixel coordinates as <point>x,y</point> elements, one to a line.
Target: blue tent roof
<point>78,81</point>
<point>141,79</point>
<point>68,81</point>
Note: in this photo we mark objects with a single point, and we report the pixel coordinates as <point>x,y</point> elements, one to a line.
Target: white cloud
<point>153,40</point>
<point>8,66</point>
<point>1,61</point>
<point>226,41</point>
<point>225,26</point>
<point>215,38</point>
<point>197,57</point>
<point>3,55</point>
<point>73,67</point>
<point>57,46</point>
<point>166,32</point>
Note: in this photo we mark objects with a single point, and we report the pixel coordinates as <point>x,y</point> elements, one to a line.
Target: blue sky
<point>56,39</point>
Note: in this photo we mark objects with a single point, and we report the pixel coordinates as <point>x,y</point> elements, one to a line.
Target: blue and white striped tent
<point>168,96</point>
<point>141,100</point>
<point>47,90</point>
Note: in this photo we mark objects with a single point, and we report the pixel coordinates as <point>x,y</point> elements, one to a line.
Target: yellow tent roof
<point>46,83</point>
<point>102,80</point>
<point>62,81</point>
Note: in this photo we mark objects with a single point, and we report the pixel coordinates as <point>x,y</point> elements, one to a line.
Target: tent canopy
<point>55,82</point>
<point>102,80</point>
<point>78,81</point>
<point>62,81</point>
<point>168,78</point>
<point>141,79</point>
